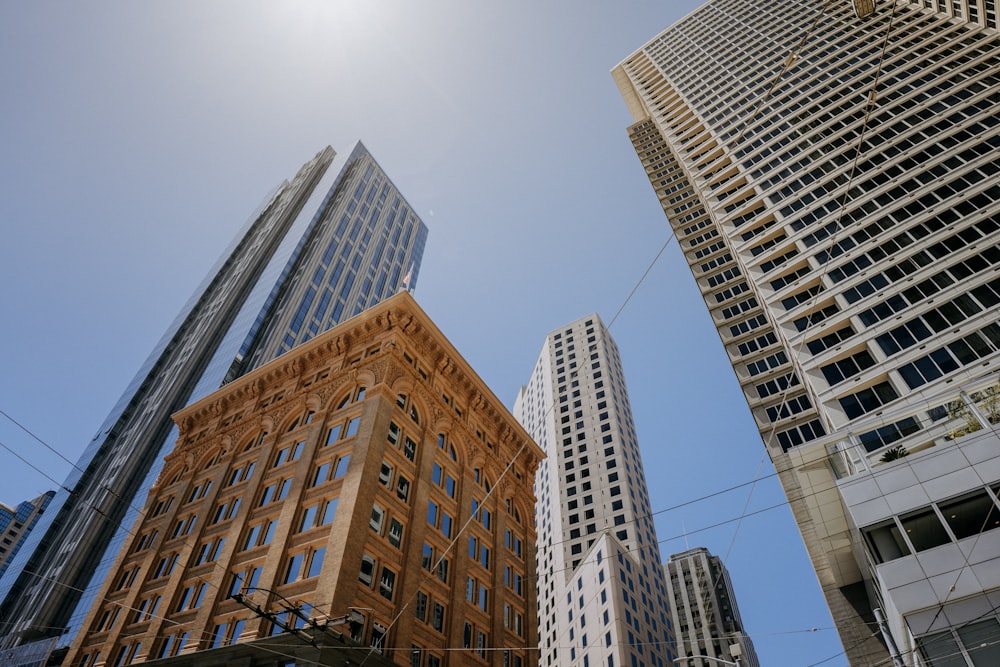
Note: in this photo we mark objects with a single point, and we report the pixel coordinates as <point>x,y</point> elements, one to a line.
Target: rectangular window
<point>218,636</point>
<point>403,488</point>
<point>316,562</point>
<point>437,617</point>
<point>294,567</point>
<point>427,558</point>
<point>253,535</point>
<point>281,457</point>
<point>385,474</point>
<point>978,639</point>
<point>237,630</point>
<point>308,518</point>
<point>321,475</point>
<point>185,598</point>
<point>387,583</point>
<point>199,596</point>
<point>395,533</point>
<point>377,518</point>
<point>970,515</point>
<point>924,529</point>
<point>421,606</point>
<point>342,464</point>
<point>367,573</point>
<point>269,529</point>
<point>329,511</point>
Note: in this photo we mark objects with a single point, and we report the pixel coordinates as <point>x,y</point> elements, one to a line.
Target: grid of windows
<point>593,479</point>
<point>871,258</point>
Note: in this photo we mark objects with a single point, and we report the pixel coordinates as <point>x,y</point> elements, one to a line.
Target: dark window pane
<point>971,515</point>
<point>980,640</point>
<point>924,530</point>
<point>886,542</point>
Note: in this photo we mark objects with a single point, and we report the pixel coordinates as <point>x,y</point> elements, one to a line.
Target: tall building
<point>366,485</point>
<point>310,257</point>
<point>832,182</point>
<point>703,606</point>
<point>17,522</point>
<point>602,596</point>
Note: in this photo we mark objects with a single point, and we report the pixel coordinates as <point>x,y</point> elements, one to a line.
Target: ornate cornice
<point>400,324</point>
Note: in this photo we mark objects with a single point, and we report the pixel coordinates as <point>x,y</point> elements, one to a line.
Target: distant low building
<point>364,489</point>
<point>703,605</point>
<point>17,522</point>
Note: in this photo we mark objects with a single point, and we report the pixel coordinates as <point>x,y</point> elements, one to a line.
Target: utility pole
<point>897,660</point>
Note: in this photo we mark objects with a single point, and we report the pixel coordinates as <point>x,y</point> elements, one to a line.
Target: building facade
<point>703,607</point>
<point>17,522</point>
<point>319,250</point>
<point>832,182</point>
<point>367,482</point>
<point>602,596</point>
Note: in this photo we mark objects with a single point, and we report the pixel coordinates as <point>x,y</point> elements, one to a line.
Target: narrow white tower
<point>601,590</point>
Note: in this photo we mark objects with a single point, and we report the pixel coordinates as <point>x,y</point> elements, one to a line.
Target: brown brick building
<point>369,470</point>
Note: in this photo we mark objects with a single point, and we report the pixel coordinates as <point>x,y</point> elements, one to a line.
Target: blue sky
<point>138,137</point>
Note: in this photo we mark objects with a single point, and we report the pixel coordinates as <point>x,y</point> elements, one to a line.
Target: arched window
<point>404,402</point>
<point>481,480</point>
<point>177,477</point>
<point>354,395</point>
<point>447,446</point>
<point>255,441</point>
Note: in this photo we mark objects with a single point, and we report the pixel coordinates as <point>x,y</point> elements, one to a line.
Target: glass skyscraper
<point>602,597</point>
<point>831,175</point>
<point>317,252</point>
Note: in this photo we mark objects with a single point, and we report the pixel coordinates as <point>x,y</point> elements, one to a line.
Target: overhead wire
<point>55,451</point>
<point>89,504</point>
<point>714,494</point>
<point>789,61</point>
<point>744,513</point>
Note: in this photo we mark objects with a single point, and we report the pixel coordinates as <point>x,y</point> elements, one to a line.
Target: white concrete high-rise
<point>601,590</point>
<point>833,183</point>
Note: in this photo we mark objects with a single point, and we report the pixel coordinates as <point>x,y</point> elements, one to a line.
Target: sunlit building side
<point>367,487</point>
<point>833,184</point>
<point>602,596</point>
